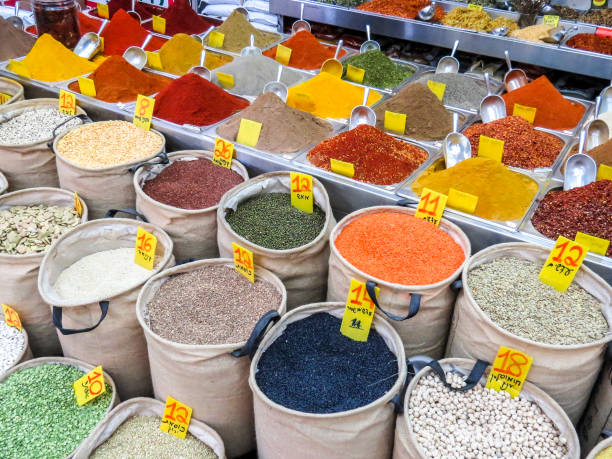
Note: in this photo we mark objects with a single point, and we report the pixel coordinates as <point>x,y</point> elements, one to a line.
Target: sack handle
<point>57,320</point>
<point>185,261</point>
<point>404,202</point>
<point>257,334</point>
<point>164,160</point>
<point>84,118</point>
<point>415,303</point>
<point>112,212</point>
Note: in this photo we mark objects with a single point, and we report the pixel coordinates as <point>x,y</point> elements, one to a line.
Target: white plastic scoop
<point>300,24</point>
<point>514,78</point>
<point>457,147</point>
<point>89,44</point>
<point>449,64</point>
<point>362,114</point>
<point>277,87</point>
<point>201,69</point>
<point>251,50</point>
<point>492,107</point>
<point>334,66</point>
<point>580,169</point>
<point>369,44</point>
<point>136,55</point>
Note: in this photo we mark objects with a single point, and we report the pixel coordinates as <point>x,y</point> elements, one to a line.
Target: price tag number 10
<point>89,386</point>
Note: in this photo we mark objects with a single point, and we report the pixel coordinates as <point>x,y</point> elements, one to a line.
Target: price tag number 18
<point>509,371</point>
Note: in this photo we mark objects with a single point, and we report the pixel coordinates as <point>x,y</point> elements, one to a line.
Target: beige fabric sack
<point>83,366</point>
<point>600,447</point>
<point>142,406</point>
<point>103,331</point>
<point>596,424</point>
<point>423,332</point>
<point>303,270</point>
<point>207,378</point>
<point>566,373</point>
<point>26,353</point>
<point>13,89</point>
<point>31,165</point>
<point>194,232</point>
<point>361,433</point>
<point>105,188</point>
<point>19,273</point>
<point>407,446</point>
<point>3,183</point>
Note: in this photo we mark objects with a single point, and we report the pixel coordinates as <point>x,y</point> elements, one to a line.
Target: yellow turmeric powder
<point>182,52</point>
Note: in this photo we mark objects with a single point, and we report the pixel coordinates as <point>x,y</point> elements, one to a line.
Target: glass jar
<point>60,19</point>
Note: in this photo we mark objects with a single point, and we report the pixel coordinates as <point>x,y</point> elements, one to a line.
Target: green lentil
<point>39,415</point>
<point>269,220</point>
<point>380,71</point>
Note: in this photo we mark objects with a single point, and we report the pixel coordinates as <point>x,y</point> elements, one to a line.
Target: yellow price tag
<point>87,87</point>
<point>562,264</point>
<point>103,10</point>
<point>491,148</point>
<point>473,6</point>
<point>437,88</point>
<point>11,317</point>
<point>248,133</point>
<point>159,24</point>
<point>550,20</point>
<point>592,243</point>
<point>354,74</point>
<point>67,103</point>
<point>464,202</point>
<point>216,39</point>
<point>243,262</point>
<point>4,98</point>
<point>177,417</point>
<point>101,44</point>
<point>145,248</point>
<point>19,67</point>
<point>78,205</point>
<point>226,80</point>
<point>342,168</point>
<point>143,112</point>
<point>604,172</point>
<point>358,313</point>
<point>223,153</point>
<point>431,206</point>
<point>154,60</point>
<point>304,102</point>
<point>283,54</point>
<point>509,371</point>
<point>527,113</point>
<point>395,122</point>
<point>301,191</point>
<point>89,386</point>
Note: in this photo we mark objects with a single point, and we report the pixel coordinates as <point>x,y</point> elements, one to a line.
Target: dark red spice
<point>591,42</point>
<point>193,100</point>
<point>145,10</point>
<point>192,185</point>
<point>181,18</point>
<point>88,24</point>
<point>587,209</point>
<point>124,31</point>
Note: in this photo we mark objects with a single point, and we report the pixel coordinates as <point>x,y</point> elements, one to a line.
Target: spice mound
<point>587,209</point>
<point>116,80</point>
<point>14,42</point>
<point>191,184</point>
<point>380,243</point>
<point>377,157</point>
<point>328,97</point>
<point>211,305</point>
<point>503,195</point>
<point>496,426</point>
<point>314,350</point>
<point>380,71</point>
<point>533,33</point>
<point>524,147</point>
<point>461,91</point>
<point>238,30</point>
<point>466,18</point>
<point>141,437</point>
<point>284,129</point>
<point>145,10</point>
<point>32,229</point>
<point>182,52</point>
<point>124,31</point>
<point>181,18</point>
<point>306,51</point>
<point>108,143</point>
<point>401,8</point>
<point>553,110</point>
<point>426,117</point>
<point>193,100</point>
<point>34,125</point>
<point>591,42</point>
<point>292,228</point>
<point>12,342</point>
<point>511,294</point>
<point>48,397</point>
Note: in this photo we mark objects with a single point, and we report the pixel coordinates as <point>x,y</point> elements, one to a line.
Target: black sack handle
<point>84,118</point>
<point>57,320</point>
<point>112,212</point>
<point>164,160</point>
<point>257,334</point>
<point>404,202</point>
<point>415,303</point>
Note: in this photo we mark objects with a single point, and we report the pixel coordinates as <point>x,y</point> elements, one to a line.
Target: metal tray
<point>4,67</point>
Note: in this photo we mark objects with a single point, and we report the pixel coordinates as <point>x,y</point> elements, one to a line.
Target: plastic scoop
<point>132,12</point>
<point>334,66</point>
<point>369,44</point>
<point>15,20</point>
<point>277,87</point>
<point>251,50</point>
<point>457,147</point>
<point>597,131</point>
<point>492,107</point>
<point>201,69</point>
<point>449,64</point>
<point>580,169</point>
<point>300,24</point>
<point>362,114</point>
<point>427,13</point>
<point>514,78</point>
<point>136,55</point>
<point>89,44</point>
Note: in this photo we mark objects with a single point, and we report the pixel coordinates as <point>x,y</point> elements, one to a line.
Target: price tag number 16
<point>146,244</point>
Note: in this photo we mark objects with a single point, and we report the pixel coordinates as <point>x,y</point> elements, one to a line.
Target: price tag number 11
<point>431,206</point>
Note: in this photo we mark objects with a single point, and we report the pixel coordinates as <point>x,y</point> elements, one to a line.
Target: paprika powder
<point>181,18</point>
<point>306,51</point>
<point>591,42</point>
<point>401,8</point>
<point>124,31</point>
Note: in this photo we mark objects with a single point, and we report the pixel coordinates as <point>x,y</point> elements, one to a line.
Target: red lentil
<point>398,248</point>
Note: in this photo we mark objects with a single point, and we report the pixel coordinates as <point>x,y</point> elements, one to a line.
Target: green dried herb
<point>380,71</point>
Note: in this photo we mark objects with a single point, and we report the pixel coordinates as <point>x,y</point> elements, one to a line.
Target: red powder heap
<point>88,24</point>
<point>124,31</point>
<point>181,18</point>
<point>143,9</point>
<point>193,100</point>
<point>306,51</point>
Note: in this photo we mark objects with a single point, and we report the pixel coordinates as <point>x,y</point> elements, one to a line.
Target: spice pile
<point>181,18</point>
<point>380,71</point>
<point>88,24</point>
<point>461,91</point>
<point>524,146</point>
<point>292,228</point>
<point>145,10</point>
<point>238,30</point>
<point>401,8</point>
<point>12,342</point>
<point>34,125</point>
<point>306,51</point>
<point>32,229</point>
<point>182,52</point>
<point>533,33</point>
<point>46,390</point>
<point>211,305</point>
<point>591,42</point>
<point>602,154</point>
<point>380,243</point>
<point>479,20</point>
<point>194,100</point>
<point>503,195</point>
<point>283,129</point>
<point>587,209</point>
<point>124,31</point>
<point>378,158</point>
<point>14,42</point>
<point>511,294</point>
<point>313,350</point>
<point>191,184</point>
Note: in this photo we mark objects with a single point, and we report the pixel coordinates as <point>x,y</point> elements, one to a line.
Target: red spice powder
<point>124,31</point>
<point>193,100</point>
<point>398,248</point>
<point>181,18</point>
<point>306,51</point>
<point>88,24</point>
<point>402,8</point>
<point>145,10</point>
<point>591,42</point>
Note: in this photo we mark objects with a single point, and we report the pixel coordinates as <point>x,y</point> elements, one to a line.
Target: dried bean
<point>12,342</point>
<point>35,125</point>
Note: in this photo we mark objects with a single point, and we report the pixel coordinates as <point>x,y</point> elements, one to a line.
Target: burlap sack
<point>596,424</point>
<point>365,432</point>
<point>194,232</point>
<point>103,331</point>
<point>83,366</point>
<point>424,332</point>
<point>303,270</point>
<point>600,447</point>
<point>407,446</point>
<point>142,406</point>
<point>3,183</point>
<point>31,165</point>
<point>207,378</point>
<point>105,188</point>
<point>19,273</point>
<point>566,373</point>
<point>13,89</point>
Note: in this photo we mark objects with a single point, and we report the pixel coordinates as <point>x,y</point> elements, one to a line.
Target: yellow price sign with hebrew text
<point>301,191</point>
<point>243,262</point>
<point>431,206</point>
<point>90,386</point>
<point>11,317</point>
<point>176,419</point>
<point>143,112</point>
<point>224,151</point>
<point>509,371</point>
<point>562,264</point>
<point>358,313</point>
<point>145,248</point>
<point>67,102</point>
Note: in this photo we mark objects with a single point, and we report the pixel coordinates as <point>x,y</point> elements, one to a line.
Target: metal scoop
<point>89,44</point>
<point>369,44</point>
<point>449,64</point>
<point>427,13</point>
<point>492,107</point>
<point>277,87</point>
<point>201,69</point>
<point>362,114</point>
<point>300,24</point>
<point>606,99</point>
<point>334,66</point>
<point>136,55</point>
<point>15,20</point>
<point>557,34</point>
<point>514,78</point>
<point>597,131</point>
<point>132,12</point>
<point>580,169</point>
<point>500,31</point>
<point>251,50</point>
<point>457,147</point>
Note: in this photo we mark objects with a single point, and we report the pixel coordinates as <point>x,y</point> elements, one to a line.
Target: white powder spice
<point>12,342</point>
